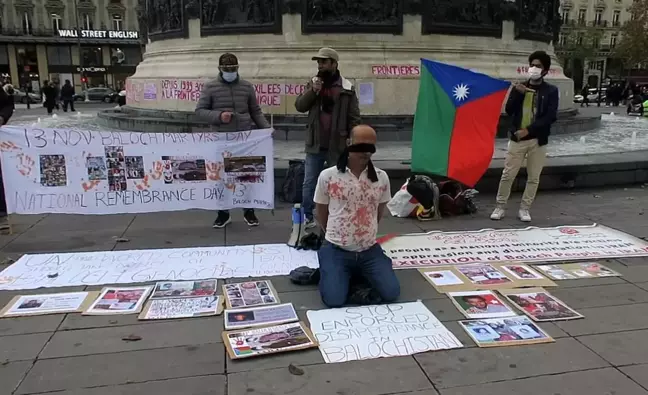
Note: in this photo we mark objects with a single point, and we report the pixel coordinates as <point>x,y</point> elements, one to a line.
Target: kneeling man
<point>350,200</point>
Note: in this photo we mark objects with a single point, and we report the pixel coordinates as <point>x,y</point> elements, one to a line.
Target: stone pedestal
<point>383,66</point>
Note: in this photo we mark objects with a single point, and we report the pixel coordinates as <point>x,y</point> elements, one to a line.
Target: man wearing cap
<point>230,104</point>
<point>333,110</point>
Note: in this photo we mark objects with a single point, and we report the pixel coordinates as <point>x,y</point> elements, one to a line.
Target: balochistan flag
<point>456,122</point>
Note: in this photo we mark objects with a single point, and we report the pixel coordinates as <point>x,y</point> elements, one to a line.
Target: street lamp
<point>76,17</point>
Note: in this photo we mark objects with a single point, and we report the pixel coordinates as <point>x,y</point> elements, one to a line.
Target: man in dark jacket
<point>49,91</point>
<point>533,108</point>
<point>230,104</point>
<point>333,110</point>
<point>67,96</point>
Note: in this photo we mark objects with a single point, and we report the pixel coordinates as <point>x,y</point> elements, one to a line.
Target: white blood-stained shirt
<point>352,206</point>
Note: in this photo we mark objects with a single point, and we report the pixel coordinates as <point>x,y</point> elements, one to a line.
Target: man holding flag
<point>533,107</point>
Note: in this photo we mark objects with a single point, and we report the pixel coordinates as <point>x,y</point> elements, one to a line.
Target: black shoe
<point>250,218</point>
<point>222,220</point>
<point>363,295</point>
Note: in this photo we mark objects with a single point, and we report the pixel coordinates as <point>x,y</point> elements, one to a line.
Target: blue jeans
<point>313,166</point>
<point>337,266</point>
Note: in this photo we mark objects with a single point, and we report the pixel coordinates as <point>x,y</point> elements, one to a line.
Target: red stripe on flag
<point>473,138</point>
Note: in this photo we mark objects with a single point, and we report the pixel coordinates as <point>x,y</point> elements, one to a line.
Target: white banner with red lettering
<point>71,171</point>
<point>562,243</point>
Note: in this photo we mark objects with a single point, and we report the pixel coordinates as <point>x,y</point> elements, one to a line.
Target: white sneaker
<point>498,214</point>
<point>524,215</point>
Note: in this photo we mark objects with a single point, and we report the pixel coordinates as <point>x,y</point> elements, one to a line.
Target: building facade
<point>90,42</point>
<point>595,24</point>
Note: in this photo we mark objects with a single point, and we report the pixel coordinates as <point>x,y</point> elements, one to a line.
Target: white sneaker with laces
<point>498,214</point>
<point>524,215</point>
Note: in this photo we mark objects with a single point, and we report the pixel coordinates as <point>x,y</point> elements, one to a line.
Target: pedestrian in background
<point>67,96</point>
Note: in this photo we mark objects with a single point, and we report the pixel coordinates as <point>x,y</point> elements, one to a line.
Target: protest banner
<point>577,270</point>
<point>562,243</point>
<point>378,331</point>
<point>396,70</point>
<point>507,331</point>
<point>540,305</point>
<point>181,307</point>
<point>69,171</point>
<point>41,304</point>
<point>250,294</point>
<point>115,300</point>
<point>139,266</point>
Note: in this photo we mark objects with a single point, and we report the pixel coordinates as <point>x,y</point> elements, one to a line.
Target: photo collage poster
<point>250,294</point>
<point>183,299</point>
<point>268,340</point>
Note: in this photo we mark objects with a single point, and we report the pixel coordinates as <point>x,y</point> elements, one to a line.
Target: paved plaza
<point>606,353</point>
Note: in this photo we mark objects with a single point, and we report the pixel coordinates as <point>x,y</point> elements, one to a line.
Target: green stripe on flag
<point>433,124</point>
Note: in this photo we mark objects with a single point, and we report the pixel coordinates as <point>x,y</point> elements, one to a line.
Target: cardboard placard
<point>540,305</point>
<point>480,304</point>
<point>275,339</point>
<point>250,294</point>
<point>577,270</point>
<point>184,307</point>
<point>119,300</point>
<point>254,317</point>
<point>37,301</point>
<point>508,331</point>
<point>482,277</point>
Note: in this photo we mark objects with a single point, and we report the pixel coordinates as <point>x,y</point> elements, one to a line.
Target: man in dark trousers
<point>533,107</point>
<point>67,96</point>
<point>49,91</point>
<point>229,103</point>
<point>6,111</point>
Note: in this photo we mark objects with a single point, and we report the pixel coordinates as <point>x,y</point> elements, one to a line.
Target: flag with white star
<point>456,120</point>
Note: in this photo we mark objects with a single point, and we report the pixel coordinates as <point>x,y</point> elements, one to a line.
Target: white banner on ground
<point>378,331</point>
<point>87,172</point>
<point>135,266</point>
<point>562,243</point>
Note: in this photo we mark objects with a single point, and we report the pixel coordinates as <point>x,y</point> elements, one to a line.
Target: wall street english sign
<point>102,34</point>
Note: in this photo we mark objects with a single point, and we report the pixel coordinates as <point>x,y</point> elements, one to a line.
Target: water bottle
<point>297,224</point>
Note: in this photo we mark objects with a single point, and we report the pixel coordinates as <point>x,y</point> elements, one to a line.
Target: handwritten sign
<point>403,70</point>
<point>135,266</point>
<point>72,171</point>
<point>187,90</point>
<point>379,331</point>
<point>563,243</point>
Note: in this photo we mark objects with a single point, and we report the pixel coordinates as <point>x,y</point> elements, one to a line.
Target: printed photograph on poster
<point>522,272</point>
<point>119,300</point>
<point>572,271</point>
<point>134,167</point>
<point>182,307</point>
<point>250,294</point>
<point>24,305</point>
<point>366,93</point>
<point>245,164</point>
<point>53,171</point>
<point>480,304</point>
<point>184,289</point>
<point>260,316</point>
<point>509,331</point>
<point>539,305</point>
<point>115,152</point>
<point>183,169</point>
<point>269,340</point>
<point>483,274</point>
<point>443,277</point>
<point>96,166</point>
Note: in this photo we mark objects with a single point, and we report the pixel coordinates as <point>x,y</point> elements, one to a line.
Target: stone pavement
<point>606,353</point>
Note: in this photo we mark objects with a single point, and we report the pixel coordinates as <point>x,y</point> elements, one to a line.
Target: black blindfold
<point>362,147</point>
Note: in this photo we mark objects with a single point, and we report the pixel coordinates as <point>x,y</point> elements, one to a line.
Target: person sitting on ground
<point>350,200</point>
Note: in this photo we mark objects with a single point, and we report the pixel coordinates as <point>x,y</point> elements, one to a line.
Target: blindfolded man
<point>351,199</point>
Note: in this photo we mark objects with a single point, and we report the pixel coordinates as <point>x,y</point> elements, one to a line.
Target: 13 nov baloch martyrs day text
<point>456,119</point>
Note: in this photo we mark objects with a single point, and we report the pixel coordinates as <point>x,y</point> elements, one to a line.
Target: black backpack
<point>291,189</point>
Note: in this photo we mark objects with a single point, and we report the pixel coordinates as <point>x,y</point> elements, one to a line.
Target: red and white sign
<point>185,90</point>
<point>269,94</point>
<point>563,243</point>
<point>395,70</point>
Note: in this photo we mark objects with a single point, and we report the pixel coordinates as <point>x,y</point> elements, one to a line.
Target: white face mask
<point>535,73</point>
<point>230,76</point>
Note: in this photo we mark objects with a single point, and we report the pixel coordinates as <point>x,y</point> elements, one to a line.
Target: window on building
<point>57,22</point>
<point>580,39</point>
<point>598,17</point>
<point>591,65</point>
<point>4,54</point>
<point>27,24</point>
<point>91,56</point>
<point>117,22</point>
<point>132,55</point>
<point>613,40</point>
<point>59,55</point>
<point>86,22</point>
<point>565,16</point>
<point>616,18</point>
<point>596,42</point>
<point>582,13</point>
<point>562,39</point>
